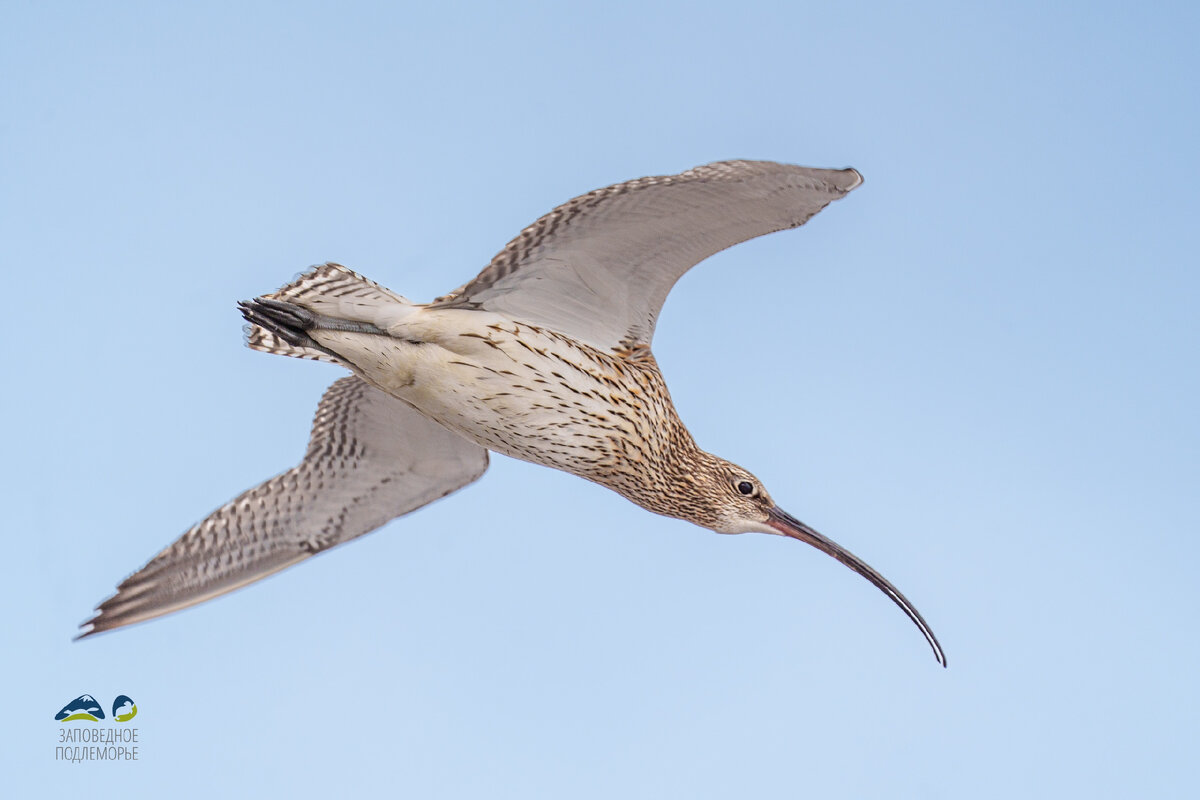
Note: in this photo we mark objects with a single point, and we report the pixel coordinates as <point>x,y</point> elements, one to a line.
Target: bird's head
<point>727,498</point>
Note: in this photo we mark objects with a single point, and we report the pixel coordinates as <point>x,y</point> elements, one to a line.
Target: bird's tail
<point>279,321</point>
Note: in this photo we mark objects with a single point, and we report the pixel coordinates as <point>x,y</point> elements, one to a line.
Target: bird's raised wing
<point>371,458</point>
<point>598,268</point>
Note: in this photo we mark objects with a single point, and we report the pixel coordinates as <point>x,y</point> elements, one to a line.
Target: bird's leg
<point>289,321</point>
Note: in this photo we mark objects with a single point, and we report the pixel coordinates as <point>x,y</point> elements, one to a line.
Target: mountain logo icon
<point>123,708</point>
<point>83,707</point>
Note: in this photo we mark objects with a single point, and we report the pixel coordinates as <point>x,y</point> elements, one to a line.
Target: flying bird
<point>544,356</point>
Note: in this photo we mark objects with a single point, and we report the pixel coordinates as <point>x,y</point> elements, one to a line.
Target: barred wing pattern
<point>371,458</point>
<point>598,268</point>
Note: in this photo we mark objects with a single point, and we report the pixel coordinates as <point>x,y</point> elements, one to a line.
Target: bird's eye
<point>746,488</point>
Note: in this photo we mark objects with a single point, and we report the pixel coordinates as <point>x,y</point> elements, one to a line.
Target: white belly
<point>509,387</point>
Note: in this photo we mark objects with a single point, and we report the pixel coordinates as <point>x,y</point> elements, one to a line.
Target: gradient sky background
<point>979,372</point>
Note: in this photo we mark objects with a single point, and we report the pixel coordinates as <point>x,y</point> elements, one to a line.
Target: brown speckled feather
<point>371,458</point>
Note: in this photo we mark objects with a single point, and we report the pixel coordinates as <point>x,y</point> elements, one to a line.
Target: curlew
<point>544,356</point>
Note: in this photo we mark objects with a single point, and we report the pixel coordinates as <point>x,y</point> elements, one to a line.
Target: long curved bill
<point>788,525</point>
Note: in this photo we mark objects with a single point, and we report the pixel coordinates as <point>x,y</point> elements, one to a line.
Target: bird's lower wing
<point>371,458</point>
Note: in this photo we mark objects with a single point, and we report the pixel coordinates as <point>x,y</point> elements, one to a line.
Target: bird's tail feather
<point>281,328</point>
<point>263,340</point>
<point>337,291</point>
<point>328,290</point>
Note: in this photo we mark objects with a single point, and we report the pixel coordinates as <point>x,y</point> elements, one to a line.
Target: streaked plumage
<point>544,356</point>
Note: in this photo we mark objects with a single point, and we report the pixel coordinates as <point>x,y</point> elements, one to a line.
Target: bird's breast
<point>540,396</point>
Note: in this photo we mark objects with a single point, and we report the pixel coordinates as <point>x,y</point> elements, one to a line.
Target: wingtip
<point>854,178</point>
<point>86,628</point>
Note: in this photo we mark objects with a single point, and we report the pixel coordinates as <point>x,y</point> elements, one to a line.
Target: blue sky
<point>979,372</point>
